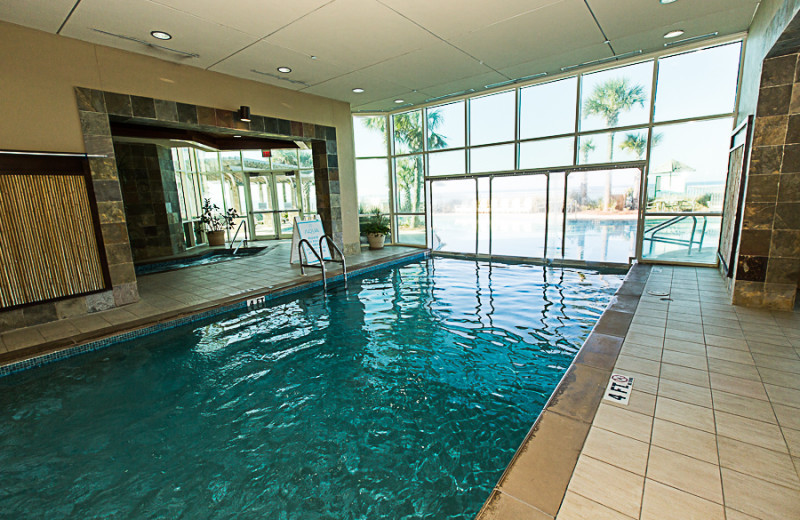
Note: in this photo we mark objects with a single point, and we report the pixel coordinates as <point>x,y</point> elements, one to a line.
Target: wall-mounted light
<point>244,113</point>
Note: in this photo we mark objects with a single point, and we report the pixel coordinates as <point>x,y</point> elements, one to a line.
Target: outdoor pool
<point>404,396</point>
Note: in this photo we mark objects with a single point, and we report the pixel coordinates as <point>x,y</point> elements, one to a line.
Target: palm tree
<point>587,147</point>
<point>608,100</point>
<point>637,143</point>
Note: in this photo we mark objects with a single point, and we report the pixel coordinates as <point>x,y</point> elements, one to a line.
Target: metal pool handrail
<point>303,264</point>
<point>244,240</point>
<point>341,255</point>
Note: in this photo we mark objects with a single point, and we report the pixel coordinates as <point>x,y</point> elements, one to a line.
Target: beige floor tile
<point>688,441</point>
<point>501,506</point>
<point>608,485</point>
<point>724,332</point>
<point>676,316</point>
<point>684,375</point>
<point>730,368</point>
<point>747,430</point>
<point>649,321</point>
<point>732,514</point>
<point>635,364</point>
<point>723,322</point>
<point>719,341</point>
<point>685,360</point>
<point>693,337</point>
<point>662,502</point>
<point>576,507</point>
<point>685,392</point>
<point>771,339</point>
<point>788,416</point>
<point>89,323</point>
<point>686,414</point>
<point>22,338</point>
<point>783,395</point>
<point>738,386</point>
<point>645,339</point>
<point>729,354</point>
<point>643,382</point>
<point>780,378</point>
<point>639,402</point>
<point>773,350</point>
<point>646,329</point>
<point>625,422</point>
<point>685,473</point>
<point>777,363</point>
<point>684,326</point>
<point>651,353</point>
<point>618,450</point>
<point>758,462</point>
<point>57,330</point>
<point>793,441</point>
<point>698,349</point>
<point>743,406</point>
<point>642,312</point>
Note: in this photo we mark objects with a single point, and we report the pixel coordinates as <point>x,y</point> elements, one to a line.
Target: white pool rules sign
<point>619,389</point>
<point>312,231</point>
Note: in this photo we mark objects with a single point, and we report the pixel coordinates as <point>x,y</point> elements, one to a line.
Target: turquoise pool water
<point>402,397</point>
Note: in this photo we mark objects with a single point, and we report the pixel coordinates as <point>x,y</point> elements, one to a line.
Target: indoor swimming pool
<point>404,396</point>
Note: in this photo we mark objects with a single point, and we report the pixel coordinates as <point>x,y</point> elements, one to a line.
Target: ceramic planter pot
<point>216,238</point>
<point>376,240</point>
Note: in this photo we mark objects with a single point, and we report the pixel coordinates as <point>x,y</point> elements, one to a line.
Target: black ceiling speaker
<point>244,113</point>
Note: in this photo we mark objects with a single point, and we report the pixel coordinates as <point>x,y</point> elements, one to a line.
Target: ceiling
<point>410,50</point>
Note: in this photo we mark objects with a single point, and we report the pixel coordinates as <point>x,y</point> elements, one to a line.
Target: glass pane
<point>683,238</point>
<point>698,83</point>
<point>548,109</point>
<point>548,152</point>
<point>261,192</point>
<point>284,159</point>
<point>181,197</point>
<point>555,220</point>
<point>191,194</point>
<point>446,163</point>
<point>264,224</point>
<point>689,166</point>
<point>519,211</point>
<point>207,161</point>
<point>602,212</point>
<point>306,159</point>
<point>492,159</point>
<point>230,161</point>
<point>287,222</point>
<point>233,186</point>
<point>616,97</point>
<point>211,188</point>
<point>491,118</point>
<point>253,160</point>
<point>411,229</point>
<point>483,216</point>
<point>286,189</point>
<point>308,191</point>
<point>370,136</point>
<point>612,147</point>
<point>446,126</point>
<point>372,182</point>
<point>453,216</point>
<point>407,132</point>
<point>408,184</point>
<point>183,158</point>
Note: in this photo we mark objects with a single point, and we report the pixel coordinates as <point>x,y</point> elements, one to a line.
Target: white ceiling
<point>413,50</point>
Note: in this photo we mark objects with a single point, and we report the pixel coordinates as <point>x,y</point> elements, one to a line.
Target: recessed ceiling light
<point>161,35</point>
<point>313,57</point>
<point>398,101</point>
<point>673,34</point>
<point>237,136</point>
<point>358,90</point>
<point>285,70</point>
<point>667,1</point>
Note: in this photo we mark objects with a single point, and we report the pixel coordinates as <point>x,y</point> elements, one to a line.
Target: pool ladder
<point>320,260</point>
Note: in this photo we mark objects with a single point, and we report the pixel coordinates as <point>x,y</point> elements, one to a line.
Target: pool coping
<point>535,481</point>
<point>53,351</point>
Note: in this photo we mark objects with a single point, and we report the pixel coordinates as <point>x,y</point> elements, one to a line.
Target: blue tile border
<point>92,346</point>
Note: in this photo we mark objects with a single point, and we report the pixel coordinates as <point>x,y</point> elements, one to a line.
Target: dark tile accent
<point>257,123</point>
<point>71,308</point>
<point>614,323</point>
<point>579,393</point>
<point>296,128</point>
<point>225,118</point>
<point>99,145</point>
<point>639,273</point>
<point>630,288</point>
<point>762,188</point>
<point>758,215</point>
<point>600,351</point>
<point>118,254</point>
<point>785,243</point>
<point>787,215</point>
<point>783,270</point>
<point>122,273</point>
<point>271,125</point>
<point>330,133</point>
<point>238,124</point>
<point>794,104</point>
<point>330,147</point>
<point>333,161</point>
<point>778,71</point>
<point>500,506</point>
<point>333,174</point>
<point>333,187</point>
<point>754,242</point>
<point>766,160</point>
<point>309,130</point>
<point>118,104</point>
<point>774,101</point>
<point>320,132</point>
<point>206,116</point>
<point>114,233</point>
<point>752,268</point>
<point>10,320</point>
<point>793,130</point>
<point>318,148</point>
<point>779,296</point>
<point>166,110</point>
<point>125,293</point>
<point>187,113</point>
<point>791,158</point>
<point>90,100</point>
<point>107,191</point>
<point>789,188</point>
<point>40,313</point>
<point>94,123</point>
<point>624,303</point>
<point>143,107</point>
<point>284,127</point>
<point>770,130</point>
<point>111,212</point>
<point>100,301</point>
<point>320,161</point>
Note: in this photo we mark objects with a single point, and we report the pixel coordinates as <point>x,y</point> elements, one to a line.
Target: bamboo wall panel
<point>48,245</point>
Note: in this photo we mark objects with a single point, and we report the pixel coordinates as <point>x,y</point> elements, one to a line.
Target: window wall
<point>607,165</point>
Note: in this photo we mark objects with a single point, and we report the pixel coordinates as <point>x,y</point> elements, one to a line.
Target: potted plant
<point>215,222</point>
<point>376,228</point>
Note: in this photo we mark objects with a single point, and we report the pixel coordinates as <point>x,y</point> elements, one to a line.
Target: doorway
<point>274,203</point>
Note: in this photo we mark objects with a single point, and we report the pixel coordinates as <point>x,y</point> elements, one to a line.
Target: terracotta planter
<point>216,238</point>
<point>376,240</point>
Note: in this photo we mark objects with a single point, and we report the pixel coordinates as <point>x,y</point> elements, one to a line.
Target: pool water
<point>404,396</point>
<point>212,257</point>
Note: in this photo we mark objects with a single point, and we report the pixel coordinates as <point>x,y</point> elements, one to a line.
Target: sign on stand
<point>619,389</point>
<point>312,231</point>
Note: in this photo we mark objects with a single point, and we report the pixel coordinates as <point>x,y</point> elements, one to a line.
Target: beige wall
<point>38,71</point>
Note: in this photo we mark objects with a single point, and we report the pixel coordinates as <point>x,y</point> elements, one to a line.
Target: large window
<point>625,162</point>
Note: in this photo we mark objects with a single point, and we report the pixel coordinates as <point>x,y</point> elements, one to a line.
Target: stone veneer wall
<point>150,195</point>
<point>768,265</point>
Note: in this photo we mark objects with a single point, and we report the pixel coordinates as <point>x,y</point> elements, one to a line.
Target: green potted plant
<point>215,222</point>
<point>376,227</point>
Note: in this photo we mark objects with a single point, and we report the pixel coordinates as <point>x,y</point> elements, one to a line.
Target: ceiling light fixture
<point>398,101</point>
<point>665,2</point>
<point>313,57</point>
<point>674,34</point>
<point>244,113</point>
<point>358,90</point>
<point>237,136</point>
<point>692,39</point>
<point>161,35</point>
<point>285,70</point>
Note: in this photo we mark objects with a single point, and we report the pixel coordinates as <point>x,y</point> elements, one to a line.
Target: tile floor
<point>712,428</point>
<point>169,294</point>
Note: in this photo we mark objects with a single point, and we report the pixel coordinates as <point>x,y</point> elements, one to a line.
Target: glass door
<point>262,206</point>
<point>286,202</point>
